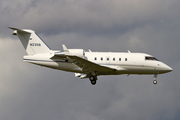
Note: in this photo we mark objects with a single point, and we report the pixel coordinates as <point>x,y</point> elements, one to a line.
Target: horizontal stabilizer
<point>21,31</point>
<point>32,43</point>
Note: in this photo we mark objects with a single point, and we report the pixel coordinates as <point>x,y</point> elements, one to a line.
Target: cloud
<point>93,17</point>
<point>33,92</point>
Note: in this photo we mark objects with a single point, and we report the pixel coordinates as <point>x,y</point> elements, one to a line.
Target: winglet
<point>65,48</point>
<point>66,51</point>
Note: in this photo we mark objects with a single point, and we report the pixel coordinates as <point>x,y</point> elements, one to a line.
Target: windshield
<point>151,58</point>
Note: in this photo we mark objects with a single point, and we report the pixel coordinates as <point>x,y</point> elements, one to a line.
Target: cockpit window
<point>151,58</point>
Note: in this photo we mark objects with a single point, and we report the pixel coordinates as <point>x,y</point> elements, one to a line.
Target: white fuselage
<point>124,63</point>
<point>92,64</point>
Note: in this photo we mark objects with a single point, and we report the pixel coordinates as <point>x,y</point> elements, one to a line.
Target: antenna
<point>128,51</point>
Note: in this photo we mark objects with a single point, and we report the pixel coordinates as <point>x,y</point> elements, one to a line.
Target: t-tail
<point>32,43</point>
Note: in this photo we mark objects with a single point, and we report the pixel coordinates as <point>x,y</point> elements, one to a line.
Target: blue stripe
<point>43,41</point>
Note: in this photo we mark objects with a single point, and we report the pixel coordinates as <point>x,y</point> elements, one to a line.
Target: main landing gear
<point>93,79</point>
<point>155,81</point>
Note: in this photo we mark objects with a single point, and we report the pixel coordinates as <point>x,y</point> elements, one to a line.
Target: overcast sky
<point>29,92</point>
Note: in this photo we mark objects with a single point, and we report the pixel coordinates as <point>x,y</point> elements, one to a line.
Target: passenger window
<point>125,59</point>
<point>102,58</point>
<point>113,59</point>
<point>107,59</point>
<point>95,58</point>
<point>119,59</point>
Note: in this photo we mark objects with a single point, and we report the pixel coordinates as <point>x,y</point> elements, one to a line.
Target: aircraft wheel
<point>155,81</point>
<point>93,82</point>
<point>91,78</point>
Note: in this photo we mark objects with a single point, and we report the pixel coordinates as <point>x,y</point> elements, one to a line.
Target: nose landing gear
<point>155,81</point>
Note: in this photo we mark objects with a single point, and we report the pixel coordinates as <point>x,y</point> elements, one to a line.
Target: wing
<point>88,66</point>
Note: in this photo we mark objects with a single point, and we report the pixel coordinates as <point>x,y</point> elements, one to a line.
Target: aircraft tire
<point>155,82</point>
<point>93,82</point>
<point>91,78</point>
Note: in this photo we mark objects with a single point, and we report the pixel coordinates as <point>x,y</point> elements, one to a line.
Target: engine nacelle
<point>77,52</point>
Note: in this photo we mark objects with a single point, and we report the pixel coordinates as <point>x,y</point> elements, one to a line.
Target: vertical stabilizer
<point>32,43</point>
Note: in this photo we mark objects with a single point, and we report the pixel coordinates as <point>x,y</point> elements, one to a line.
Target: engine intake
<point>77,52</point>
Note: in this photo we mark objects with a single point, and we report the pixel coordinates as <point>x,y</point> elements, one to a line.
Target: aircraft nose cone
<point>165,68</point>
<point>169,69</point>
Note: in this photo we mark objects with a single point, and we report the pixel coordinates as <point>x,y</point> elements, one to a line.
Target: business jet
<point>88,64</point>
